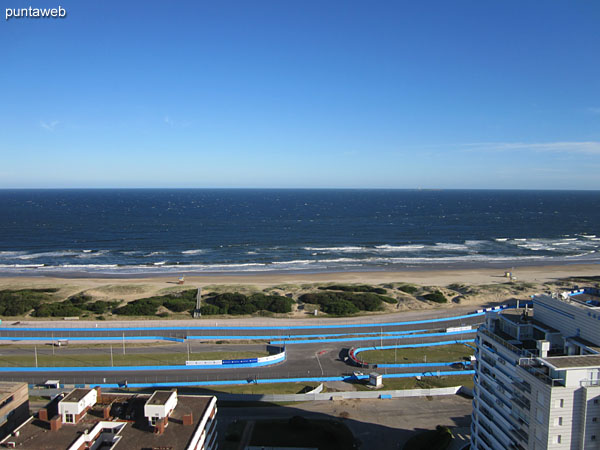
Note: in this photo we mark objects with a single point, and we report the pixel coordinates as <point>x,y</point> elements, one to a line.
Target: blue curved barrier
<point>371,338</point>
<point>368,337</point>
<point>280,380</point>
<point>227,363</point>
<point>293,327</point>
<point>425,344</point>
<point>439,364</point>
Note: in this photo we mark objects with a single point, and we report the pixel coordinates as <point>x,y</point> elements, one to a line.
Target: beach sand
<point>142,286</point>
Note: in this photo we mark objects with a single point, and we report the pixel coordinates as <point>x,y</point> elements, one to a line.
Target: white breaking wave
<point>399,248</point>
<point>92,254</point>
<point>193,252</point>
<point>9,253</point>
<point>350,249</point>
<point>447,246</point>
<point>56,254</point>
<point>21,266</point>
<point>86,266</point>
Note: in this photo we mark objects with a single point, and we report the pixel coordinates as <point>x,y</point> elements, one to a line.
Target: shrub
<point>61,309</point>
<point>407,288</point>
<point>236,304</point>
<point>79,299</point>
<point>344,303</point>
<point>354,288</point>
<point>179,305</point>
<point>436,296</point>
<point>209,310</point>
<point>142,307</point>
<point>20,302</point>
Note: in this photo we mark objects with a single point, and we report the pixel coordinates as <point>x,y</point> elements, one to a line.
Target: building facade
<point>537,381</point>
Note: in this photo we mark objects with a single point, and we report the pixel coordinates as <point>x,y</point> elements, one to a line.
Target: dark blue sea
<point>207,231</point>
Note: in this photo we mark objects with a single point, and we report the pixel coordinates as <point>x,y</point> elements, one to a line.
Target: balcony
<point>497,433</point>
<point>521,435</point>
<point>522,386</point>
<point>540,372</point>
<point>522,403</point>
<point>502,342</point>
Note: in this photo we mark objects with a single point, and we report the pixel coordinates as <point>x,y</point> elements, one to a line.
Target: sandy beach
<point>131,288</point>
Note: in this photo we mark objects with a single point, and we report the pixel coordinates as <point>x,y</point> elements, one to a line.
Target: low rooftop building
<point>123,421</point>
<point>14,406</point>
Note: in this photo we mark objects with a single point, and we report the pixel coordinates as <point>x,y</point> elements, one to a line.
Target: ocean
<point>139,231</point>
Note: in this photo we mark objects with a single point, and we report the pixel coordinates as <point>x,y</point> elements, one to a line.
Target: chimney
<point>543,348</point>
<point>159,427</point>
<point>188,419</point>
<point>43,414</point>
<point>99,394</point>
<point>55,423</point>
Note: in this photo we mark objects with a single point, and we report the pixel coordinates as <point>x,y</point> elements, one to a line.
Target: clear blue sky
<point>432,94</point>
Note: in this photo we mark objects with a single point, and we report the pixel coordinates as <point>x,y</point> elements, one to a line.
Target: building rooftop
<point>572,362</point>
<point>76,395</point>
<point>128,409</point>
<point>10,387</point>
<point>160,397</point>
<point>176,435</point>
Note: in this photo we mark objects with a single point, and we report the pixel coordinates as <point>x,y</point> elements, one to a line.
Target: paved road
<point>58,332</point>
<point>303,360</point>
<point>320,358</point>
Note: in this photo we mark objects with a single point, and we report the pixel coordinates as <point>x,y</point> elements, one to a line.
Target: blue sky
<point>434,94</point>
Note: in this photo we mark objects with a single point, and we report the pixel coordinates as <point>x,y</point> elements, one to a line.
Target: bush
<point>344,303</point>
<point>436,296</point>
<point>179,305</point>
<point>237,304</point>
<point>79,299</point>
<point>387,299</point>
<point>354,288</point>
<point>142,307</point>
<point>21,302</point>
<point>407,288</point>
<point>61,309</point>
<point>209,310</point>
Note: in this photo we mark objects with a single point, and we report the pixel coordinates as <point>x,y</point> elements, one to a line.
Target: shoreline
<point>431,276</point>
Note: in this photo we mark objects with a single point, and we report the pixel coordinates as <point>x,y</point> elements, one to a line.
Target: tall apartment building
<point>537,383</point>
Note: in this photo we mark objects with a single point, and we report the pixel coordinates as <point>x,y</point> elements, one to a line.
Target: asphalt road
<point>231,333</point>
<point>303,360</point>
<point>320,358</point>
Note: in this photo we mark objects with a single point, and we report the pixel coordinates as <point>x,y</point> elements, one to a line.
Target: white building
<point>537,383</point>
<point>159,407</point>
<point>74,406</point>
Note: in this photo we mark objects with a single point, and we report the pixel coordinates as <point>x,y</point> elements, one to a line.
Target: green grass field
<point>443,353</point>
<point>119,359</point>
<point>390,384</point>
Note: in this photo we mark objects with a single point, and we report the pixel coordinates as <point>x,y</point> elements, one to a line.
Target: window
<point>595,401</point>
<point>69,418</point>
<point>560,403</point>
<point>594,419</point>
<point>557,439</point>
<point>558,421</point>
<point>540,398</point>
<point>539,416</point>
<point>593,437</point>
